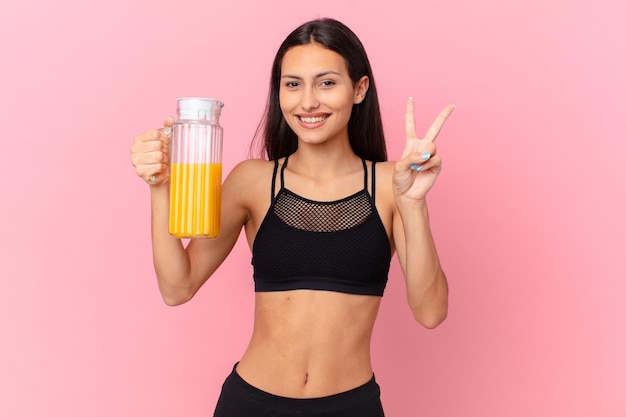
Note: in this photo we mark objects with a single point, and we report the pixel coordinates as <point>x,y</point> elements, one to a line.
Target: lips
<point>312,120</point>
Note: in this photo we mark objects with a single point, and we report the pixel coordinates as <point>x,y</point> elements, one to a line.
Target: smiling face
<point>316,93</point>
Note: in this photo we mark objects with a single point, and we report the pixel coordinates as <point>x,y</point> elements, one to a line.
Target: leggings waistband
<point>369,390</point>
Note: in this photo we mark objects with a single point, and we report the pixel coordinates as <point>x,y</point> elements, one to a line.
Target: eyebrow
<point>321,74</point>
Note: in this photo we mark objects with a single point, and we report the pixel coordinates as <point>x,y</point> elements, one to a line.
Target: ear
<point>360,89</point>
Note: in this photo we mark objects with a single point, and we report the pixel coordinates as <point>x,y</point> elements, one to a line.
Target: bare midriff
<point>308,344</point>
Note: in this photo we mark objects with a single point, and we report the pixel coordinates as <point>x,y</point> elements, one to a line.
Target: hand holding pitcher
<point>188,153</point>
<point>150,154</point>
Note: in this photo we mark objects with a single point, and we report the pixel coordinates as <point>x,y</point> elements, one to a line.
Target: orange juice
<point>195,199</point>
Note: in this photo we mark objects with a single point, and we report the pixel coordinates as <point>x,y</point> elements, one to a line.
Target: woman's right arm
<point>182,271</point>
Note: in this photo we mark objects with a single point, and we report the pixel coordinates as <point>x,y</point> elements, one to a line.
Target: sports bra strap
<point>364,174</point>
<point>282,177</point>
<point>282,173</point>
<point>374,181</point>
<point>274,179</point>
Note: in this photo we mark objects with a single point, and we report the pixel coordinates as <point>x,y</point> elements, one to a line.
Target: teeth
<point>312,119</point>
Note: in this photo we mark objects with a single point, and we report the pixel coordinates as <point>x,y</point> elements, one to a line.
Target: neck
<point>324,161</point>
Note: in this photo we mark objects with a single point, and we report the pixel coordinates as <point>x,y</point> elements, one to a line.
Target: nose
<point>310,100</point>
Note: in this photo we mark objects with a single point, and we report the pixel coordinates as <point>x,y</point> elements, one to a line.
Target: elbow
<point>432,318</point>
<point>430,309</point>
<point>175,297</point>
<point>432,321</point>
<point>174,301</point>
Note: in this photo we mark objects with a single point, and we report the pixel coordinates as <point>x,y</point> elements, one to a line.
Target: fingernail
<point>425,155</point>
<point>419,168</point>
<point>414,166</point>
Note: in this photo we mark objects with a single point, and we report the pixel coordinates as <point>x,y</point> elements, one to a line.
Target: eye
<point>327,83</point>
<point>291,84</point>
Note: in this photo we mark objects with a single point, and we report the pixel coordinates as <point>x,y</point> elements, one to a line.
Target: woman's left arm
<point>413,176</point>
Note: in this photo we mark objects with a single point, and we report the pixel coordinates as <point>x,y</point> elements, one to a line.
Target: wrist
<point>159,192</point>
<point>413,213</point>
<point>411,205</point>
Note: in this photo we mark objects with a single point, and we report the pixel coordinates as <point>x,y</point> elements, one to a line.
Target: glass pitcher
<point>196,169</point>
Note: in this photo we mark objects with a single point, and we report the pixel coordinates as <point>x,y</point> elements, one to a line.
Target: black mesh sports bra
<point>334,246</point>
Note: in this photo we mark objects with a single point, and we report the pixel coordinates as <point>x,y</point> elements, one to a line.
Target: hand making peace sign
<point>416,172</point>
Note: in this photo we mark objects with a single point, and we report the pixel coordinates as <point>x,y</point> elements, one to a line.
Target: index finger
<point>168,122</point>
<point>434,129</point>
<point>409,119</point>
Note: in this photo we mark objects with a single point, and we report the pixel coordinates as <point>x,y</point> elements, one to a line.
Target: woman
<point>322,219</point>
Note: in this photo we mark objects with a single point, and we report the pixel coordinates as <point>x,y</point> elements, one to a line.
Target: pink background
<point>528,213</point>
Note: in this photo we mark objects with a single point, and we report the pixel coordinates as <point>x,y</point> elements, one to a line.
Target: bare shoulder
<point>385,202</point>
<point>248,182</point>
<point>384,174</point>
<point>247,190</point>
<point>385,169</point>
<point>249,169</point>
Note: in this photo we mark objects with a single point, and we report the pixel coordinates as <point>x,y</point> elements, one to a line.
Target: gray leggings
<point>240,399</point>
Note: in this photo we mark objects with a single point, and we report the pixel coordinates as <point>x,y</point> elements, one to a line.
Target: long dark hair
<point>365,127</point>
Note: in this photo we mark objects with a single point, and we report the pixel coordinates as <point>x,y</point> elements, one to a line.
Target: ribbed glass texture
<point>195,179</point>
